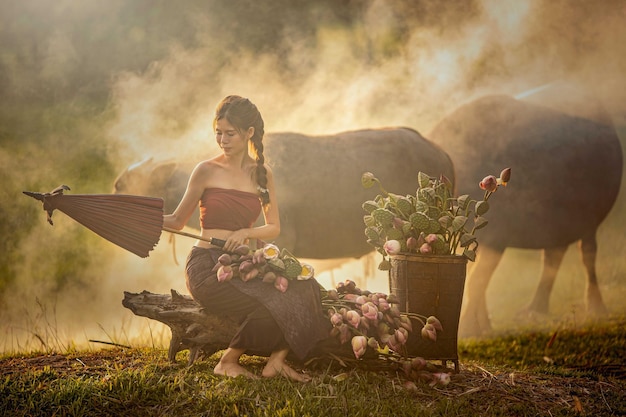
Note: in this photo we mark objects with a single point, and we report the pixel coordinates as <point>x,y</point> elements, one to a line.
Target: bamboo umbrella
<point>132,222</point>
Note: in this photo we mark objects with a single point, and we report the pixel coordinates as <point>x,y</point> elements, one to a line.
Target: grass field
<point>563,371</point>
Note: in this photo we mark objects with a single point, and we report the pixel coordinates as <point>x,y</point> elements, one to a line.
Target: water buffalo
<point>318,183</point>
<point>567,171</point>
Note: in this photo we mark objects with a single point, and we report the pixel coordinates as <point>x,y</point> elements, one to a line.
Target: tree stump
<point>192,328</point>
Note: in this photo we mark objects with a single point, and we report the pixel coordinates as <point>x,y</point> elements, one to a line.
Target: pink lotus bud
<point>393,343</point>
<point>224,273</point>
<point>394,311</point>
<point>332,295</point>
<point>405,322</point>
<point>505,176</point>
<point>246,266</point>
<point>392,247</point>
<point>431,238</point>
<point>344,333</point>
<point>418,363</point>
<point>369,311</point>
<point>425,248</point>
<point>361,299</point>
<point>281,283</point>
<point>429,332</point>
<point>336,319</point>
<point>383,305</point>
<point>270,251</point>
<point>242,250</point>
<point>225,259</point>
<point>353,318</point>
<point>435,323</point>
<point>442,379</point>
<point>269,277</point>
<point>253,273</point>
<point>411,243</point>
<point>489,183</point>
<point>258,258</point>
<point>359,345</point>
<point>350,286</point>
<point>402,335</point>
<point>364,323</point>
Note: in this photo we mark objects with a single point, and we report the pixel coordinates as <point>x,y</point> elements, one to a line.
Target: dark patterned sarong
<point>269,319</point>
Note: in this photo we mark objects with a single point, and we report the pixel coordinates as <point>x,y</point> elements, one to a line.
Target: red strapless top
<point>228,209</point>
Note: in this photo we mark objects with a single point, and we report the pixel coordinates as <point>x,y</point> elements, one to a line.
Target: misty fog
<point>89,88</point>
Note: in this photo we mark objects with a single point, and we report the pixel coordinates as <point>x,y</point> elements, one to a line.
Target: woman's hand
<point>236,239</point>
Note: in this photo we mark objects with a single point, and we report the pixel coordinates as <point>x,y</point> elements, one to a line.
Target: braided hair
<point>243,114</point>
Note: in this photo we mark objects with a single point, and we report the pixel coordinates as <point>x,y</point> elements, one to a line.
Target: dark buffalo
<point>318,183</point>
<point>567,171</point>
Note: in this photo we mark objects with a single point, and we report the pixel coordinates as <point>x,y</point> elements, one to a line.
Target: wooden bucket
<point>430,285</point>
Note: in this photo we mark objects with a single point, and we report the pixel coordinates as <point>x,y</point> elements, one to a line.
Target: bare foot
<point>232,370</point>
<point>279,368</point>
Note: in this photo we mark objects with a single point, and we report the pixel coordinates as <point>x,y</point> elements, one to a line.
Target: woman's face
<point>229,139</point>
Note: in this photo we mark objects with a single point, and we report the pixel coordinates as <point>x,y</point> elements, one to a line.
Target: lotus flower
<point>359,345</point>
<point>402,335</point>
<point>225,259</point>
<point>383,305</point>
<point>270,251</point>
<point>307,272</point>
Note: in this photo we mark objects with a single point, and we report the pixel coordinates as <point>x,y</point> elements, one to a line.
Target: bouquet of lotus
<point>372,322</point>
<point>269,263</point>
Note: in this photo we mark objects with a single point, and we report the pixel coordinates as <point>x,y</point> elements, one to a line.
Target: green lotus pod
<point>292,268</point>
<point>277,264</point>
<point>419,221</point>
<point>463,201</point>
<point>404,206</point>
<point>383,216</point>
<point>458,223</point>
<point>384,265</point>
<point>445,221</point>
<point>480,222</point>
<point>370,206</point>
<point>481,208</point>
<point>466,239</point>
<point>469,254</point>
<point>369,220</point>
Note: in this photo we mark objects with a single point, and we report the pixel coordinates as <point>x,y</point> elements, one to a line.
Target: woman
<point>232,189</point>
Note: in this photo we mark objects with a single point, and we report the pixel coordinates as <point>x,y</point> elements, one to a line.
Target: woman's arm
<point>195,187</point>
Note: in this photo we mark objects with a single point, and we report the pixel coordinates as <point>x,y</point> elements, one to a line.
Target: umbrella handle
<point>212,240</point>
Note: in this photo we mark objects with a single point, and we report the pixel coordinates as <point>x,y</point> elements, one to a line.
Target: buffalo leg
<point>475,318</point>
<point>589,250</point>
<point>552,258</point>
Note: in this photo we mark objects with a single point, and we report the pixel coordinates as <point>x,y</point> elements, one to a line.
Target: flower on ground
<point>359,345</point>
